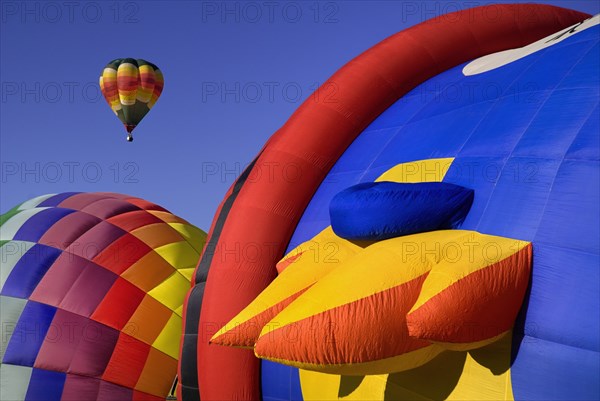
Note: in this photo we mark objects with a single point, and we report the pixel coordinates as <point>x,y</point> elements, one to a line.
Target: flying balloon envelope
<point>131,87</point>
<point>91,297</point>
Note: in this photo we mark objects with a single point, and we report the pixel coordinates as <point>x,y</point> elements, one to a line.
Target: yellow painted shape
<point>482,374</point>
<point>430,170</point>
<point>379,267</point>
<point>488,379</point>
<point>462,258</point>
<point>172,291</point>
<point>318,386</point>
<point>315,259</point>
<point>168,339</point>
<point>320,255</point>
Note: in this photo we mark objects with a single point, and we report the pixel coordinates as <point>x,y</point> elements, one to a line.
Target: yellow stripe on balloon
<point>143,95</point>
<point>102,89</point>
<point>168,339</point>
<point>179,254</point>
<point>147,82</point>
<point>188,272</point>
<point>171,292</point>
<point>128,83</point>
<point>192,234</point>
<point>158,87</point>
<point>108,86</point>
<point>109,76</point>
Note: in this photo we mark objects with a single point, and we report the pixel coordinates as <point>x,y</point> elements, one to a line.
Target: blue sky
<point>234,72</point>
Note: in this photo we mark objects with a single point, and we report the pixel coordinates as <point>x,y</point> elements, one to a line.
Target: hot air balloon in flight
<point>131,87</point>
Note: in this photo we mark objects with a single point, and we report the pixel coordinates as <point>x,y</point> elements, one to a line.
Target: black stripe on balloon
<point>114,64</point>
<point>141,62</point>
<point>189,351</point>
<point>130,61</point>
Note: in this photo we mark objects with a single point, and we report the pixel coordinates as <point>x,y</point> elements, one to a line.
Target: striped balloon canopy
<point>131,87</point>
<point>91,297</point>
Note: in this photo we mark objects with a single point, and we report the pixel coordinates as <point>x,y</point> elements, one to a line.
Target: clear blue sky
<point>234,72</point>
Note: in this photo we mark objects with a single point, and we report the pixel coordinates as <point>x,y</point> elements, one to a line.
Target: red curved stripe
<point>267,208</point>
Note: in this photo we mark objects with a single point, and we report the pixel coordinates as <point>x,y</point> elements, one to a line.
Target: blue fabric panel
<point>45,385</point>
<point>563,304</point>
<point>29,270</point>
<point>556,124</point>
<point>313,227</point>
<point>295,386</point>
<point>585,145</point>
<point>382,210</point>
<point>57,199</point>
<point>584,74</point>
<point>573,372</point>
<point>33,229</point>
<point>403,110</point>
<point>479,173</point>
<point>335,184</point>
<point>280,382</point>
<point>520,187</point>
<point>481,144</point>
<point>525,137</point>
<point>358,160</point>
<point>414,140</point>
<point>572,205</point>
<point>468,95</point>
<point>29,334</point>
<point>530,82</point>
